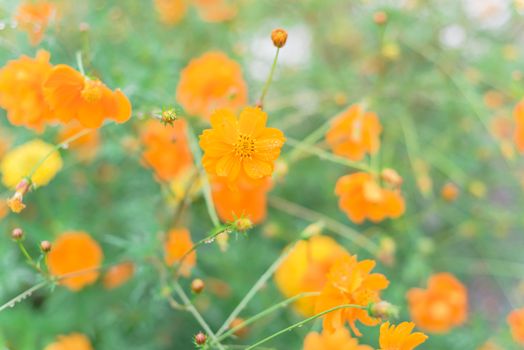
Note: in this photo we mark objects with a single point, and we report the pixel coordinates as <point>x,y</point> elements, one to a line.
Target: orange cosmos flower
<point>215,10</point>
<point>400,337</point>
<point>33,17</point>
<point>247,199</point>
<point>118,275</point>
<point>518,136</point>
<point>362,198</point>
<point>85,147</point>
<point>350,282</point>
<point>21,91</point>
<point>72,96</point>
<point>340,340</point>
<point>171,12</point>
<point>354,133</point>
<point>516,323</point>
<point>212,81</point>
<point>177,245</point>
<point>75,252</point>
<point>73,341</point>
<point>449,192</point>
<point>442,306</point>
<point>306,268</point>
<point>243,147</point>
<point>166,149</point>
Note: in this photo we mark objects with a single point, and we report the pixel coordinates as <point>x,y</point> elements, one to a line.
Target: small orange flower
<point>354,133</point>
<point>244,147</point>
<point>350,282</point>
<point>73,341</point>
<point>72,96</point>
<point>247,199</point>
<point>212,81</point>
<point>177,245</point>
<point>518,136</point>
<point>33,17</point>
<point>340,340</point>
<point>118,275</point>
<point>449,192</point>
<point>171,12</point>
<point>21,91</point>
<point>306,268</point>
<point>216,10</point>
<point>516,324</point>
<point>166,149</point>
<point>400,337</point>
<point>442,306</point>
<point>362,198</point>
<point>85,147</point>
<point>75,252</point>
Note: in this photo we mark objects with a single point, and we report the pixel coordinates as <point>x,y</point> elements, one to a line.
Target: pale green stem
<point>269,79</point>
<point>22,296</point>
<point>79,62</point>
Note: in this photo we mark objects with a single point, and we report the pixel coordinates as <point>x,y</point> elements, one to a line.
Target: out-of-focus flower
<point>20,161</point>
<point>73,341</point>
<point>166,149</point>
<point>354,133</point>
<point>489,345</point>
<point>78,254</point>
<point>118,275</point>
<point>391,51</point>
<point>72,96</point>
<point>171,12</point>
<point>241,332</point>
<point>501,127</point>
<point>340,339</point>
<point>216,10</point>
<point>178,244</point>
<point>493,99</point>
<point>516,323</point>
<point>518,136</point>
<point>442,306</point>
<point>306,268</point>
<point>449,192</point>
<point>400,337</point>
<point>350,282</point>
<point>209,82</point>
<point>242,147</point>
<point>362,198</point>
<point>85,147</point>
<point>21,91</point>
<point>33,17</point>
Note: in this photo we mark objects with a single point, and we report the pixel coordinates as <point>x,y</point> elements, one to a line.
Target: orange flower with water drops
<point>33,17</point>
<point>21,93</point>
<point>361,198</point>
<point>85,147</point>
<point>339,340</point>
<point>442,306</point>
<point>305,269</point>
<point>242,147</point>
<point>350,282</point>
<point>73,341</point>
<point>355,133</point>
<point>400,337</point>
<point>516,323</point>
<point>177,246</point>
<point>518,135</point>
<point>209,82</point>
<point>166,148</point>
<point>118,275</point>
<point>78,254</point>
<point>73,96</point>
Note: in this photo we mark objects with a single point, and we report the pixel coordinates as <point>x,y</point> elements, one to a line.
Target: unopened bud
<point>45,246</point>
<point>380,17</point>
<point>242,224</point>
<point>279,37</point>
<point>200,338</point>
<point>383,310</point>
<point>197,286</point>
<point>391,177</point>
<point>242,330</point>
<point>17,234</point>
<point>168,116</point>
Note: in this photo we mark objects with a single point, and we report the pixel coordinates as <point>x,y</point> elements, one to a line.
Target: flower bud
<point>45,246</point>
<point>17,234</point>
<point>449,192</point>
<point>197,286</point>
<point>391,177</point>
<point>383,310</point>
<point>200,338</point>
<point>242,224</point>
<point>279,37</point>
<point>380,17</point>
<point>240,332</point>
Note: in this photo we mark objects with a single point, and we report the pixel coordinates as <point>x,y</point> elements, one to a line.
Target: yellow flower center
<point>245,146</point>
<point>92,90</point>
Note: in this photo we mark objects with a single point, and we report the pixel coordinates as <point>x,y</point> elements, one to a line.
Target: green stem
<point>307,142</point>
<point>22,296</point>
<point>79,62</point>
<point>303,322</point>
<point>269,79</point>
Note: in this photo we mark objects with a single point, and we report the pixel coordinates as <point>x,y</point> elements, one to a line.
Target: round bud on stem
<point>383,310</point>
<point>17,234</point>
<point>197,286</point>
<point>380,18</point>
<point>45,246</point>
<point>200,338</point>
<point>279,37</point>
<point>242,224</point>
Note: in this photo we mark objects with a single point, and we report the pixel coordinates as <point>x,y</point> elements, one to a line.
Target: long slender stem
<point>269,79</point>
<point>23,295</point>
<point>303,322</point>
<point>79,62</point>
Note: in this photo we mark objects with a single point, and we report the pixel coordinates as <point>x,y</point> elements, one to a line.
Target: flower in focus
<point>73,341</point>
<point>33,17</point>
<point>21,93</point>
<point>72,96</point>
<point>171,11</point>
<point>75,253</point>
<point>518,136</point>
<point>212,81</point>
<point>350,282</point>
<point>354,133</point>
<point>362,198</point>
<point>166,149</point>
<point>242,147</point>
<point>305,269</point>
<point>177,245</point>
<point>85,147</point>
<point>216,10</point>
<point>340,340</point>
<point>516,323</point>
<point>442,306</point>
<point>247,199</point>
<point>400,337</point>
<point>20,161</point>
<point>118,275</point>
